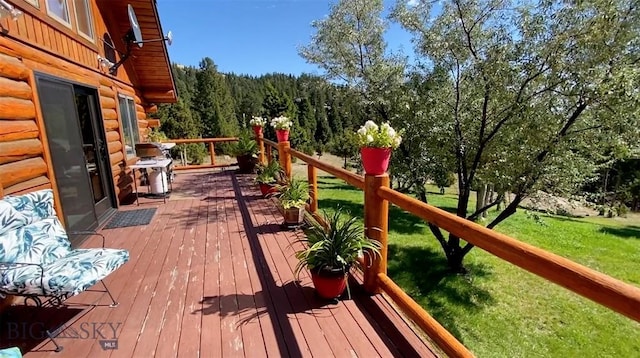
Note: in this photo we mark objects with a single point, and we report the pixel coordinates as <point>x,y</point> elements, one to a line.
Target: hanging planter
<point>375,160</point>
<point>376,144</point>
<point>282,125</point>
<point>283,135</point>
<point>257,123</point>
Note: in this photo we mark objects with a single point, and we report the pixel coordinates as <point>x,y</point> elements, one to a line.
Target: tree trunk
<point>480,199</point>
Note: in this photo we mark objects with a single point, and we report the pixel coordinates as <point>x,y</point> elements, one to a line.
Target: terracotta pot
<point>329,283</point>
<point>257,130</point>
<point>294,216</point>
<point>246,164</point>
<point>375,160</point>
<point>282,134</point>
<point>267,189</point>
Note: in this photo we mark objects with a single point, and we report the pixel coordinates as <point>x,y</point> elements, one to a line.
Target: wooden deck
<point>211,276</point>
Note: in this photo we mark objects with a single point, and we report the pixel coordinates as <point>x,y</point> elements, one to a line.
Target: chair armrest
<point>7,266</point>
<point>91,233</point>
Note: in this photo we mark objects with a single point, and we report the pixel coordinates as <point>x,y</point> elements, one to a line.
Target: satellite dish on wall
<point>134,36</point>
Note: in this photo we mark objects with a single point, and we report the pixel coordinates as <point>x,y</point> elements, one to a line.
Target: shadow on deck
<point>212,275</point>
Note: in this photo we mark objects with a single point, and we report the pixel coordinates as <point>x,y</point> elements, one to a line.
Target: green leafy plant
<point>156,135</point>
<point>336,245</point>
<point>270,173</point>
<point>293,194</point>
<point>244,146</point>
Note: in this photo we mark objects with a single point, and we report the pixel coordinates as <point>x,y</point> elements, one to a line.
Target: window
<point>35,3</point>
<point>129,125</point>
<point>59,10</point>
<point>83,18</point>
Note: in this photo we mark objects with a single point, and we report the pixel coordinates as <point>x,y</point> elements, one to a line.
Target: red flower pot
<point>282,134</point>
<point>375,160</point>
<point>329,285</point>
<point>257,130</point>
<point>267,189</point>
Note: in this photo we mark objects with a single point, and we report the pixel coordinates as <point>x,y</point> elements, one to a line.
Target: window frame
<point>34,3</point>
<point>128,124</point>
<point>57,18</point>
<point>90,37</point>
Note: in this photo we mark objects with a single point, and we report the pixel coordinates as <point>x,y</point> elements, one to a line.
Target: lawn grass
<point>499,310</point>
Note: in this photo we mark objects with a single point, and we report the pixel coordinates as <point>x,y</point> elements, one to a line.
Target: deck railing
<point>603,289</point>
<point>211,148</point>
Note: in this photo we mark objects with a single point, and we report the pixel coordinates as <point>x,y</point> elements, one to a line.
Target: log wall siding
<point>24,162</point>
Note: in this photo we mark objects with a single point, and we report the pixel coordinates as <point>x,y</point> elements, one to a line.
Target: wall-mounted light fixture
<point>7,9</point>
<point>104,62</point>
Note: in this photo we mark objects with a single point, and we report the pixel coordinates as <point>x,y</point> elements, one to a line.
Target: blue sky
<point>250,36</point>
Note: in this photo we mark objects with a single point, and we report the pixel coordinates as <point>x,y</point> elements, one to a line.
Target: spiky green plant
<point>293,194</point>
<point>270,173</point>
<point>336,245</point>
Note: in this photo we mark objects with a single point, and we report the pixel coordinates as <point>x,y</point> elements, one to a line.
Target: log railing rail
<point>211,148</point>
<point>603,289</point>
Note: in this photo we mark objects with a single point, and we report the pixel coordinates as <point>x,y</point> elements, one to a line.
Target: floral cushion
<point>33,206</point>
<point>41,242</point>
<point>69,276</point>
<point>30,233</point>
<point>13,352</point>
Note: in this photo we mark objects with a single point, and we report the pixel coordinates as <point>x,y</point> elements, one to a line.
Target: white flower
<point>257,121</point>
<point>369,138</point>
<point>281,122</point>
<point>396,141</point>
<point>371,125</point>
<point>362,131</point>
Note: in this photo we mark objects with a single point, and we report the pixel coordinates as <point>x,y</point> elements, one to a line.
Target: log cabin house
<point>66,122</point>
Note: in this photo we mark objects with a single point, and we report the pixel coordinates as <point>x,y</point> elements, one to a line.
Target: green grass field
<point>500,310</point>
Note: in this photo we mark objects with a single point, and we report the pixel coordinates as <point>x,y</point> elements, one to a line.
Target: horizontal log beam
<point>15,130</point>
<point>201,140</point>
<point>114,147</point>
<point>351,178</point>
<point>151,108</point>
<point>605,290</point>
<point>113,136</point>
<point>13,68</point>
<point>142,123</point>
<point>111,124</point>
<point>16,109</point>
<point>35,184</point>
<point>159,96</point>
<point>153,123</point>
<point>107,103</point>
<point>15,89</point>
<point>109,114</point>
<point>19,150</point>
<point>107,91</point>
<point>21,171</point>
<point>116,158</point>
<point>203,166</point>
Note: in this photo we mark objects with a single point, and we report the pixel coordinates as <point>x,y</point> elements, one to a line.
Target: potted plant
<point>332,250</point>
<point>293,196</point>
<point>376,144</point>
<point>246,152</point>
<point>268,176</point>
<point>282,125</point>
<point>257,123</point>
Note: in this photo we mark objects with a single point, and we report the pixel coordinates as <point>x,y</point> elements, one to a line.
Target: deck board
<point>212,275</point>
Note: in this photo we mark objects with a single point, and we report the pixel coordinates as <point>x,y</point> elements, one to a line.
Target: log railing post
<point>212,153</point>
<point>269,153</point>
<point>285,157</point>
<point>312,175</point>
<point>376,223</point>
<point>260,140</point>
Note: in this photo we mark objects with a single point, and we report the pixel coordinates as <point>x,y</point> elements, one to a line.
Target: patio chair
<point>36,258</point>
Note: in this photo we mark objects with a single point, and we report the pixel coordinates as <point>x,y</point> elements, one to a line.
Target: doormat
<point>131,218</point>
